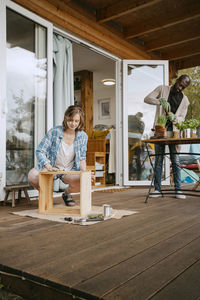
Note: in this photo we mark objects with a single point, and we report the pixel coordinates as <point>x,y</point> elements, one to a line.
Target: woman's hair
<point>70,112</point>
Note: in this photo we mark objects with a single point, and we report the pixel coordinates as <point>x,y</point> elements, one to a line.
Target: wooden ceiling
<point>165,29</point>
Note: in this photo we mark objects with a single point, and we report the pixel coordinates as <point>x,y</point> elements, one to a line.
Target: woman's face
<point>73,122</point>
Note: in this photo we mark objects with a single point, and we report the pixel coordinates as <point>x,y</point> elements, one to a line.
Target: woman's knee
<point>74,183</point>
<point>33,176</point>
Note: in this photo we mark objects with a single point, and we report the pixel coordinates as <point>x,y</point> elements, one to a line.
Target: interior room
<point>91,71</point>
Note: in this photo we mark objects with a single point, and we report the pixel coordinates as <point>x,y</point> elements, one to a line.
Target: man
<point>179,105</point>
<point>136,128</point>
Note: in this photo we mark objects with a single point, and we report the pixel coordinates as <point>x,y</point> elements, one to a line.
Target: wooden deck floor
<point>154,254</point>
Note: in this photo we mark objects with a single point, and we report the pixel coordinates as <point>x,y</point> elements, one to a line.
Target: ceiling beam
<point>134,31</point>
<point>122,8</point>
<point>166,44</point>
<point>181,51</point>
<point>172,36</point>
<point>190,62</point>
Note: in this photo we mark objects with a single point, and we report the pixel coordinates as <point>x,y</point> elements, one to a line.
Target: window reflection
<point>26,94</point>
<point>142,79</point>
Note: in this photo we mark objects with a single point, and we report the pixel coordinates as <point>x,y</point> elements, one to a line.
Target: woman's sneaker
<point>68,199</point>
<point>155,194</point>
<point>180,195</point>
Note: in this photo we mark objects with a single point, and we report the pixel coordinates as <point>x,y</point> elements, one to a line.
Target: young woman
<point>63,147</point>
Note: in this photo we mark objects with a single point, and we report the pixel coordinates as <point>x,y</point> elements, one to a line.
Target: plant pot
<point>176,134</point>
<point>193,133</point>
<point>160,132</point>
<point>170,134</point>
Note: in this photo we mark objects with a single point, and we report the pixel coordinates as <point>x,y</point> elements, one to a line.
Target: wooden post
<point>86,78</point>
<point>85,193</point>
<point>45,192</point>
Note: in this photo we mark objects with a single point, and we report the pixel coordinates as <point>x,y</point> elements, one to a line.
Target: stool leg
<point>13,198</point>
<point>27,195</point>
<point>19,195</point>
<point>6,197</point>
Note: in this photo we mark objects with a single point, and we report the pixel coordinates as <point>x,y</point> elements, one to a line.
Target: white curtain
<point>63,81</point>
<point>112,155</point>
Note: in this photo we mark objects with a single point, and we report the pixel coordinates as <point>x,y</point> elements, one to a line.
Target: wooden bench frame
<point>46,194</point>
<point>13,189</point>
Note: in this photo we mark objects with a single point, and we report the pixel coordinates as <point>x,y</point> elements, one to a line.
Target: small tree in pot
<point>160,129</point>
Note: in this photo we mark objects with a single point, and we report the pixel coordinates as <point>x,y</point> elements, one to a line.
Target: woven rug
<point>116,214</point>
<point>112,189</point>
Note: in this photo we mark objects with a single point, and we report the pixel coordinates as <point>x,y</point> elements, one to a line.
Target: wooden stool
<point>13,188</point>
<point>46,194</point>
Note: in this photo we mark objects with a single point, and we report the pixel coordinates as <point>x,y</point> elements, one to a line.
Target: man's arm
<point>154,97</point>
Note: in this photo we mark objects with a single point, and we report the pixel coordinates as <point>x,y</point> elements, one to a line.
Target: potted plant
<point>182,128</point>
<point>160,130</point>
<point>193,124</point>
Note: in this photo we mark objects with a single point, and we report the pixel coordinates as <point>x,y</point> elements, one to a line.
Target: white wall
<point>103,92</point>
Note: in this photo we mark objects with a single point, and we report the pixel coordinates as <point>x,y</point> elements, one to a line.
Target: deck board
<point>140,256</point>
<point>159,275</point>
<point>190,278</point>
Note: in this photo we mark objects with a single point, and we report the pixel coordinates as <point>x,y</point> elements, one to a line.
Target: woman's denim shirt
<point>49,147</point>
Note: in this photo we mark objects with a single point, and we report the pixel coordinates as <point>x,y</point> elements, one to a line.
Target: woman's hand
<point>47,168</point>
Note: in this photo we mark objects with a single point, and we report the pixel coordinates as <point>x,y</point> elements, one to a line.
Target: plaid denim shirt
<point>49,147</point>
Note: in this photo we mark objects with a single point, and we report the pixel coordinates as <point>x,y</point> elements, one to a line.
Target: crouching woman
<point>63,147</point>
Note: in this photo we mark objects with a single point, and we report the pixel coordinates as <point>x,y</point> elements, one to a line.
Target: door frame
<point>3,103</point>
<point>165,63</point>
<point>118,93</point>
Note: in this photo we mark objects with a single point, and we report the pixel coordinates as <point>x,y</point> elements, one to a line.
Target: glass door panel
<point>140,78</point>
<point>26,94</point>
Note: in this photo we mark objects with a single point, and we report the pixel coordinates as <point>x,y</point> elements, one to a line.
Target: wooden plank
<point>165,37</point>
<point>16,187</point>
<point>121,8</point>
<point>146,24</point>
<point>186,62</point>
<point>63,210</point>
<point>144,285</point>
<point>186,286</point>
<point>45,191</point>
<point>85,194</point>
<point>60,172</point>
<point>86,252</point>
<point>72,237</point>
<point>183,50</point>
<point>100,255</point>
<point>121,273</point>
<point>177,141</point>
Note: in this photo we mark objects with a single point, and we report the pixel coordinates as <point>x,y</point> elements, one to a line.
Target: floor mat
<point>116,214</point>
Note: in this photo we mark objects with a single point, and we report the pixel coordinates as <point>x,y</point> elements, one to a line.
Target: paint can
<point>106,210</point>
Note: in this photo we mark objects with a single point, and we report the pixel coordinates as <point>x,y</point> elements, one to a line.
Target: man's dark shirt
<point>174,99</point>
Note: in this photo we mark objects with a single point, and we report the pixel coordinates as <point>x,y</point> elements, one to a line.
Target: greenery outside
<point>192,92</point>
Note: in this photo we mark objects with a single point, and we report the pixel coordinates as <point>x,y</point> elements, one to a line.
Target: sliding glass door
<point>26,104</point>
<point>139,79</point>
<point>26,94</point>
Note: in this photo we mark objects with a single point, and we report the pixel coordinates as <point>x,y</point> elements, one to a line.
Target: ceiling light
<point>108,81</point>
